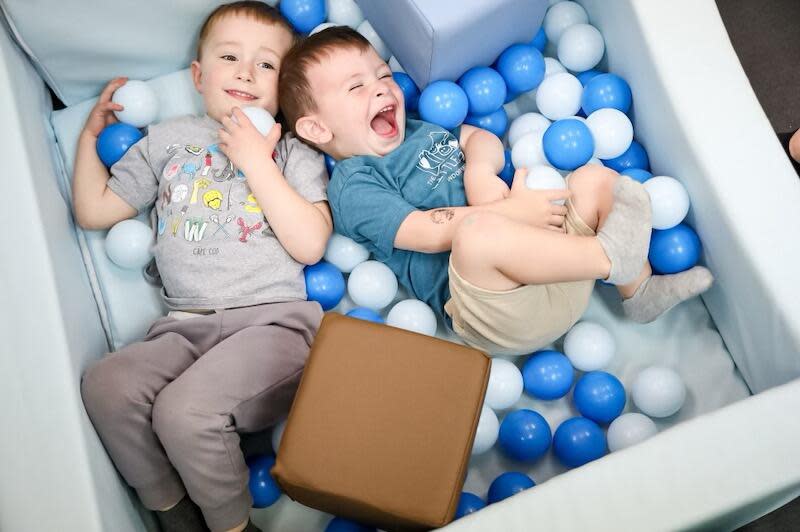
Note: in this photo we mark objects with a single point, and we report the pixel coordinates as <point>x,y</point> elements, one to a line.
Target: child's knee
<point>105,388</point>
<point>175,421</point>
<point>591,178</point>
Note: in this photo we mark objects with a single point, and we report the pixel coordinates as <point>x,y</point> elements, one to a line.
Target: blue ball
<point>511,96</point>
<point>507,173</point>
<point>496,122</point>
<point>263,488</point>
<point>468,503</point>
<point>638,174</point>
<point>485,90</point>
<point>586,76</point>
<point>508,484</point>
<point>339,524</point>
<point>578,441</point>
<point>304,15</point>
<point>634,157</point>
<point>443,103</point>
<point>524,435</point>
<point>114,141</point>
<point>330,162</point>
<point>568,144</point>
<point>606,90</point>
<point>522,67</point>
<point>540,41</point>
<point>409,88</point>
<point>674,250</point>
<point>324,284</point>
<point>366,314</point>
<point>599,396</point>
<point>547,375</point>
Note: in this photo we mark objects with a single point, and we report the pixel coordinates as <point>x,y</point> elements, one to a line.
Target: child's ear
<point>196,74</point>
<point>313,130</point>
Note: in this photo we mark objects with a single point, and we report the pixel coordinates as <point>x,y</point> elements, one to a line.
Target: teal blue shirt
<point>370,197</point>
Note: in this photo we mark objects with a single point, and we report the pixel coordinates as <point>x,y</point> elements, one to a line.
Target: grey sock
<point>185,516</point>
<point>659,293</point>
<point>625,234</point>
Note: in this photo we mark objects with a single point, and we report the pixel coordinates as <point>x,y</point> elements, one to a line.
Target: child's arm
<point>303,228</point>
<point>485,158</point>
<point>96,206</point>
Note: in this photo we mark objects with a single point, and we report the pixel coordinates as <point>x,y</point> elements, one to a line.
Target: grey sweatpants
<point>168,408</point>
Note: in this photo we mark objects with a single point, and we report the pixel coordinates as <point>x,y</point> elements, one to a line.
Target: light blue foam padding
<point>128,304</point>
<point>442,39</point>
<point>78,46</point>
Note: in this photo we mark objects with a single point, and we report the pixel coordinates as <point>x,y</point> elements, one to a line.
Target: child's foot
<point>659,293</point>
<point>625,234</point>
<point>185,516</point>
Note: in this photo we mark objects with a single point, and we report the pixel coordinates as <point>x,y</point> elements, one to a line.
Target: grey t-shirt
<point>214,248</point>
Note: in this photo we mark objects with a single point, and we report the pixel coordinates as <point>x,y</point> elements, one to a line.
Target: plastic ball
<point>540,40</point>
<point>365,314</point>
<point>139,101</point>
<point>507,173</point>
<point>495,123</point>
<point>560,17</point>
<point>547,375</point>
<point>674,250</point>
<point>409,88</point>
<point>581,47</point>
<point>468,503</point>
<point>369,33</point>
<point>129,244</point>
<point>508,484</point>
<point>114,141</point>
<point>443,103</point>
<point>578,441</point>
<point>552,66</point>
<point>559,96</point>
<point>345,253</point>
<point>524,435</point>
<point>629,429</point>
<point>522,67</point>
<point>323,26</point>
<point>634,157</point>
<point>324,284</point>
<point>372,284</point>
<point>568,144</point>
<point>260,118</point>
<point>505,385</point>
<point>263,488</point>
<point>330,162</point>
<point>344,13</point>
<point>612,131</point>
<point>277,435</point>
<point>638,174</point>
<point>485,90</point>
<point>340,524</point>
<point>599,396</point>
<point>669,201</point>
<point>412,315</point>
<point>525,124</point>
<point>589,346</point>
<point>542,177</point>
<point>587,75</point>
<point>528,152</point>
<point>487,431</point>
<point>606,91</point>
<point>304,15</point>
<point>658,391</point>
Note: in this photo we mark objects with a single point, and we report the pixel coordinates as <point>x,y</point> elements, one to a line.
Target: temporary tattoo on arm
<point>440,216</point>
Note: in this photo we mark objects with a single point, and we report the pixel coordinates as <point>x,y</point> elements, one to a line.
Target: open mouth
<point>384,123</point>
<point>241,95</point>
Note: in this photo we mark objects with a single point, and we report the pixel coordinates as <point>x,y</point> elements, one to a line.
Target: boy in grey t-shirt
<point>238,216</point>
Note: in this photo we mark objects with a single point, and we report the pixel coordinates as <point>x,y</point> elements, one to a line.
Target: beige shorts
<point>521,320</point>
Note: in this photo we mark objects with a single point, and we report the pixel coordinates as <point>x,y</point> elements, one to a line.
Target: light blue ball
<point>263,488</point>
<point>409,88</point>
<point>508,484</point>
<point>634,157</point>
<point>568,144</point>
<point>578,441</point>
<point>485,90</point>
<point>674,250</point>
<point>129,244</point>
<point>495,123</point>
<point>599,396</point>
<point>524,435</point>
<point>324,284</point>
<point>522,67</point>
<point>115,140</point>
<point>304,15</point>
<point>468,503</point>
<point>443,103</point>
<point>638,174</point>
<point>606,90</point>
<point>547,375</point>
<point>366,314</point>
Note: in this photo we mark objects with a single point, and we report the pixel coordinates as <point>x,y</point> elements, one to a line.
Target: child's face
<point>239,65</point>
<point>360,108</point>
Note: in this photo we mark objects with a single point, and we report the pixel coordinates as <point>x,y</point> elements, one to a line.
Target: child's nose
<point>245,73</point>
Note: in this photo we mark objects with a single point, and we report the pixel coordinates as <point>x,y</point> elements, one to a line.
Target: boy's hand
<point>244,145</point>
<point>534,207</point>
<point>102,114</point>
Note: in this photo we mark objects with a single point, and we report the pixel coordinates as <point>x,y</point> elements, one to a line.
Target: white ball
<point>528,151</point>
<point>543,177</point>
<point>345,253</point>
<point>323,26</point>
<point>560,17</point>
<point>488,430</point>
<point>139,101</point>
<point>345,13</point>
<point>129,244</point>
<point>559,96</point>
<point>272,3</point>
<point>369,33</point>
<point>581,47</point>
<point>277,435</point>
<point>395,65</point>
<point>505,385</point>
<point>669,201</point>
<point>629,429</point>
<point>260,118</point>
<point>413,315</point>
<point>589,346</point>
<point>658,391</point>
<point>612,131</point>
<point>527,100</point>
<point>552,66</point>
<point>524,124</point>
<point>372,284</point>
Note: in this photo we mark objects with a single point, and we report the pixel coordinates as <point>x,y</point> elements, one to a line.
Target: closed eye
<point>356,86</point>
<point>228,57</point>
<point>386,76</point>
